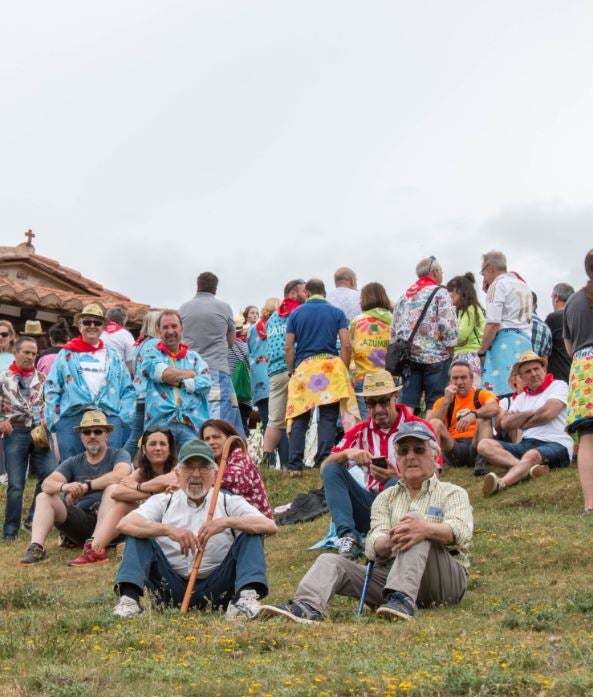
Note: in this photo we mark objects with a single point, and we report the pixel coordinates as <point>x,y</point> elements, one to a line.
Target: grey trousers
<point>427,573</point>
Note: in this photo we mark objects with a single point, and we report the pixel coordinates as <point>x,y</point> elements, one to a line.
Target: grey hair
<point>117,314</point>
<point>496,259</point>
<point>425,266</point>
<point>435,447</point>
<point>149,323</point>
<point>563,291</point>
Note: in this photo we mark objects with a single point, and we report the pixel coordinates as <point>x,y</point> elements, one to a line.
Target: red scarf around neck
<point>421,283</point>
<point>78,345</point>
<point>548,380</point>
<point>287,306</point>
<point>112,327</point>
<point>19,371</point>
<point>181,353</point>
<point>260,328</point>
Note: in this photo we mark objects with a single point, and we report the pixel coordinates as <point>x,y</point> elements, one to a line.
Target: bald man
<point>345,295</point>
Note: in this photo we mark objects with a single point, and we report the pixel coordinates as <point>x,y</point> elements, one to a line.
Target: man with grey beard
<point>81,480</point>
<point>167,532</point>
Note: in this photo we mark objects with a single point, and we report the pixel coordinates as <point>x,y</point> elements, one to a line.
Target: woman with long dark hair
<point>578,338</point>
<point>470,322</point>
<point>241,476</point>
<point>158,457</point>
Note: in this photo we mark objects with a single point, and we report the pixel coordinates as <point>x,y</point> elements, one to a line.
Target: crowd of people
<point>125,435</point>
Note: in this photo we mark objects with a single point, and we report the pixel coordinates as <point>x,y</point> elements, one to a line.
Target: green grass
<point>525,626</point>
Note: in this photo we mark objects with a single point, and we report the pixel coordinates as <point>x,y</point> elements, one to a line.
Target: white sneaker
<point>3,479</point>
<point>246,608</point>
<point>127,607</point>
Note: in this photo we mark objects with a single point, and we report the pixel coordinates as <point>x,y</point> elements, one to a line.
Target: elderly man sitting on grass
<point>166,533</point>
<point>420,533</point>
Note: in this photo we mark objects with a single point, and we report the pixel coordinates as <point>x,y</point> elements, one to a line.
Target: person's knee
<point>532,457</point>
<point>332,471</point>
<point>487,447</point>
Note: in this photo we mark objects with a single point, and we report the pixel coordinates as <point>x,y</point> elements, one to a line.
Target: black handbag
<point>399,354</point>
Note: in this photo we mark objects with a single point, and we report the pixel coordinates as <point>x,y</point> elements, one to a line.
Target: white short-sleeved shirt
<point>179,511</point>
<point>509,303</point>
<point>121,341</point>
<point>553,431</point>
<point>94,370</point>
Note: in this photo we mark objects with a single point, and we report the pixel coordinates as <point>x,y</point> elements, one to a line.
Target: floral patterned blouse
<point>369,335</point>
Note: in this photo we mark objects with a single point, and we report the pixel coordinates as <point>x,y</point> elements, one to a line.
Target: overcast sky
<point>147,141</point>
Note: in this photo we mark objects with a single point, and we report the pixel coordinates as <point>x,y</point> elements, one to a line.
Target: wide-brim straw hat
<point>32,328</point>
<point>92,310</point>
<point>94,419</point>
<point>379,384</point>
<point>530,357</point>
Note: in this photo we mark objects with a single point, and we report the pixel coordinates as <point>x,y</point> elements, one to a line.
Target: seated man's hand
<point>382,474</point>
<point>466,422</point>
<point>188,540</point>
<point>211,527</point>
<point>6,428</point>
<point>407,532</point>
<point>75,490</point>
<point>450,393</point>
<point>360,457</point>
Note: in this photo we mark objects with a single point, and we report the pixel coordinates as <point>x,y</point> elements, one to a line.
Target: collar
<point>78,345</point>
<point>316,297</point>
<point>13,367</point>
<point>427,484</point>
<point>548,380</point>
<point>181,353</point>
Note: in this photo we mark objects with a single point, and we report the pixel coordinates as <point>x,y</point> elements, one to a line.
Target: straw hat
<point>530,357</point>
<point>32,328</point>
<point>92,310</point>
<point>378,384</point>
<point>94,419</point>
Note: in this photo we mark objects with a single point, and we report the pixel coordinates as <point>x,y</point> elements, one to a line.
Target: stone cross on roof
<point>29,235</point>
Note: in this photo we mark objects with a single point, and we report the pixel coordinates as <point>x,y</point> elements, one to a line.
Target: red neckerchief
<point>183,349</point>
<point>140,339</point>
<point>518,275</point>
<point>19,371</point>
<point>287,306</point>
<point>112,327</point>
<point>548,380</point>
<point>421,283</point>
<point>241,337</point>
<point>78,345</point>
<point>260,328</point>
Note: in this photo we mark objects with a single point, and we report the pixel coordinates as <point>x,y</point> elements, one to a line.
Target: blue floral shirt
<point>438,331</point>
<point>138,357</point>
<point>67,392</point>
<point>186,403</point>
<point>258,362</point>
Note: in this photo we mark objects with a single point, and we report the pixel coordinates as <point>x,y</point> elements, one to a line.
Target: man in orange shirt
<point>462,417</point>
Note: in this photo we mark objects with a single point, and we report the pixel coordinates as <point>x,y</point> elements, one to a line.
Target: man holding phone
<point>363,463</point>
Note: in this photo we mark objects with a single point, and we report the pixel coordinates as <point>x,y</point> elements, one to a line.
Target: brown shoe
<point>492,485</point>
<point>539,471</point>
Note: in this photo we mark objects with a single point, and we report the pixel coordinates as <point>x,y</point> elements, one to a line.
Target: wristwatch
<point>88,483</point>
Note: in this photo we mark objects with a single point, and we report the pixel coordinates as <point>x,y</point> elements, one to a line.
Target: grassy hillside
<point>525,627</point>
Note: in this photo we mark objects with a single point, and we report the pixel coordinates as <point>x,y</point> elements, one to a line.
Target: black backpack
<point>451,408</point>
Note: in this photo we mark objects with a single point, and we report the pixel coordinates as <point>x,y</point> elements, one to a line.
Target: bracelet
<point>138,487</point>
<point>62,486</point>
<point>88,483</point>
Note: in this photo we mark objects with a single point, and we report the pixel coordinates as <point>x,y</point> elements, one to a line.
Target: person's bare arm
<point>250,524</point>
<point>138,526</point>
<point>514,420</point>
<point>289,352</point>
<point>410,530</point>
<point>357,455</point>
<point>441,412</point>
<point>490,331</point>
<point>231,337</point>
<point>545,414</point>
<point>568,347</point>
<point>345,347</point>
<point>132,488</point>
<point>486,411</point>
<point>55,483</point>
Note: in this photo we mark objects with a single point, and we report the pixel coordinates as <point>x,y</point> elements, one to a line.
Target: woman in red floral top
<point>241,476</point>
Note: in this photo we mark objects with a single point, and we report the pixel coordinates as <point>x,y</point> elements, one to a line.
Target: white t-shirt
<point>347,299</point>
<point>183,513</point>
<point>509,303</point>
<point>94,369</point>
<point>553,431</point>
<point>122,341</point>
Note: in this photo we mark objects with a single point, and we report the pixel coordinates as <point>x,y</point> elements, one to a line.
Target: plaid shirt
<point>13,405</point>
<point>438,502</point>
<point>541,337</point>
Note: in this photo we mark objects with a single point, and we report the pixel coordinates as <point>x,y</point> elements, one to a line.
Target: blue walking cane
<point>365,587</point>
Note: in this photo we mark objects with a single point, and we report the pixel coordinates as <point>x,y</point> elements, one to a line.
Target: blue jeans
<point>348,502</point>
<point>144,564</point>
<point>262,408</point>
<point>18,449</point>
<point>430,378</point>
<point>553,454</point>
<point>69,440</point>
<point>222,401</point>
<point>136,430</point>
<point>326,435</point>
<point>181,433</point>
<point>362,405</point>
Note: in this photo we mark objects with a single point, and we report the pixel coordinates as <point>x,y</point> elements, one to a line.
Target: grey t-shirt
<point>77,469</point>
<point>206,322</point>
<point>578,321</point>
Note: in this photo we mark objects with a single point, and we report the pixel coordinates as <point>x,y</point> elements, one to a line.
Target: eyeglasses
<point>186,468</point>
<point>380,401</point>
<point>484,269</point>
<point>292,286</point>
<point>93,322</point>
<point>403,450</point>
<point>432,260</point>
<point>4,334</point>
<point>92,431</point>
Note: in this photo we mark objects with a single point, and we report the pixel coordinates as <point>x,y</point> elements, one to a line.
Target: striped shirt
<point>438,502</point>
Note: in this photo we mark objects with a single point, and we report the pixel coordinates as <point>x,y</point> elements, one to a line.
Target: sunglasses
<point>4,334</point>
<point>403,450</point>
<point>93,322</point>
<point>432,260</point>
<point>292,286</point>
<point>380,401</point>
<point>188,469</point>
<point>93,431</point>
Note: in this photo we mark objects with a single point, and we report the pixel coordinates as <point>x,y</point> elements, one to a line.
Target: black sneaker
<point>34,554</point>
<point>480,466</point>
<point>398,606</point>
<point>297,612</point>
<point>349,547</point>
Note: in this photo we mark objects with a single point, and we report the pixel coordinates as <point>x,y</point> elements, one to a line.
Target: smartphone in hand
<point>380,462</point>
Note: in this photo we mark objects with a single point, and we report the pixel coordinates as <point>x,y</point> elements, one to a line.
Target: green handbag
<point>242,382</point>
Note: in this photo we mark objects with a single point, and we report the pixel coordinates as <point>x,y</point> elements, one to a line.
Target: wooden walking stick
<point>215,491</point>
